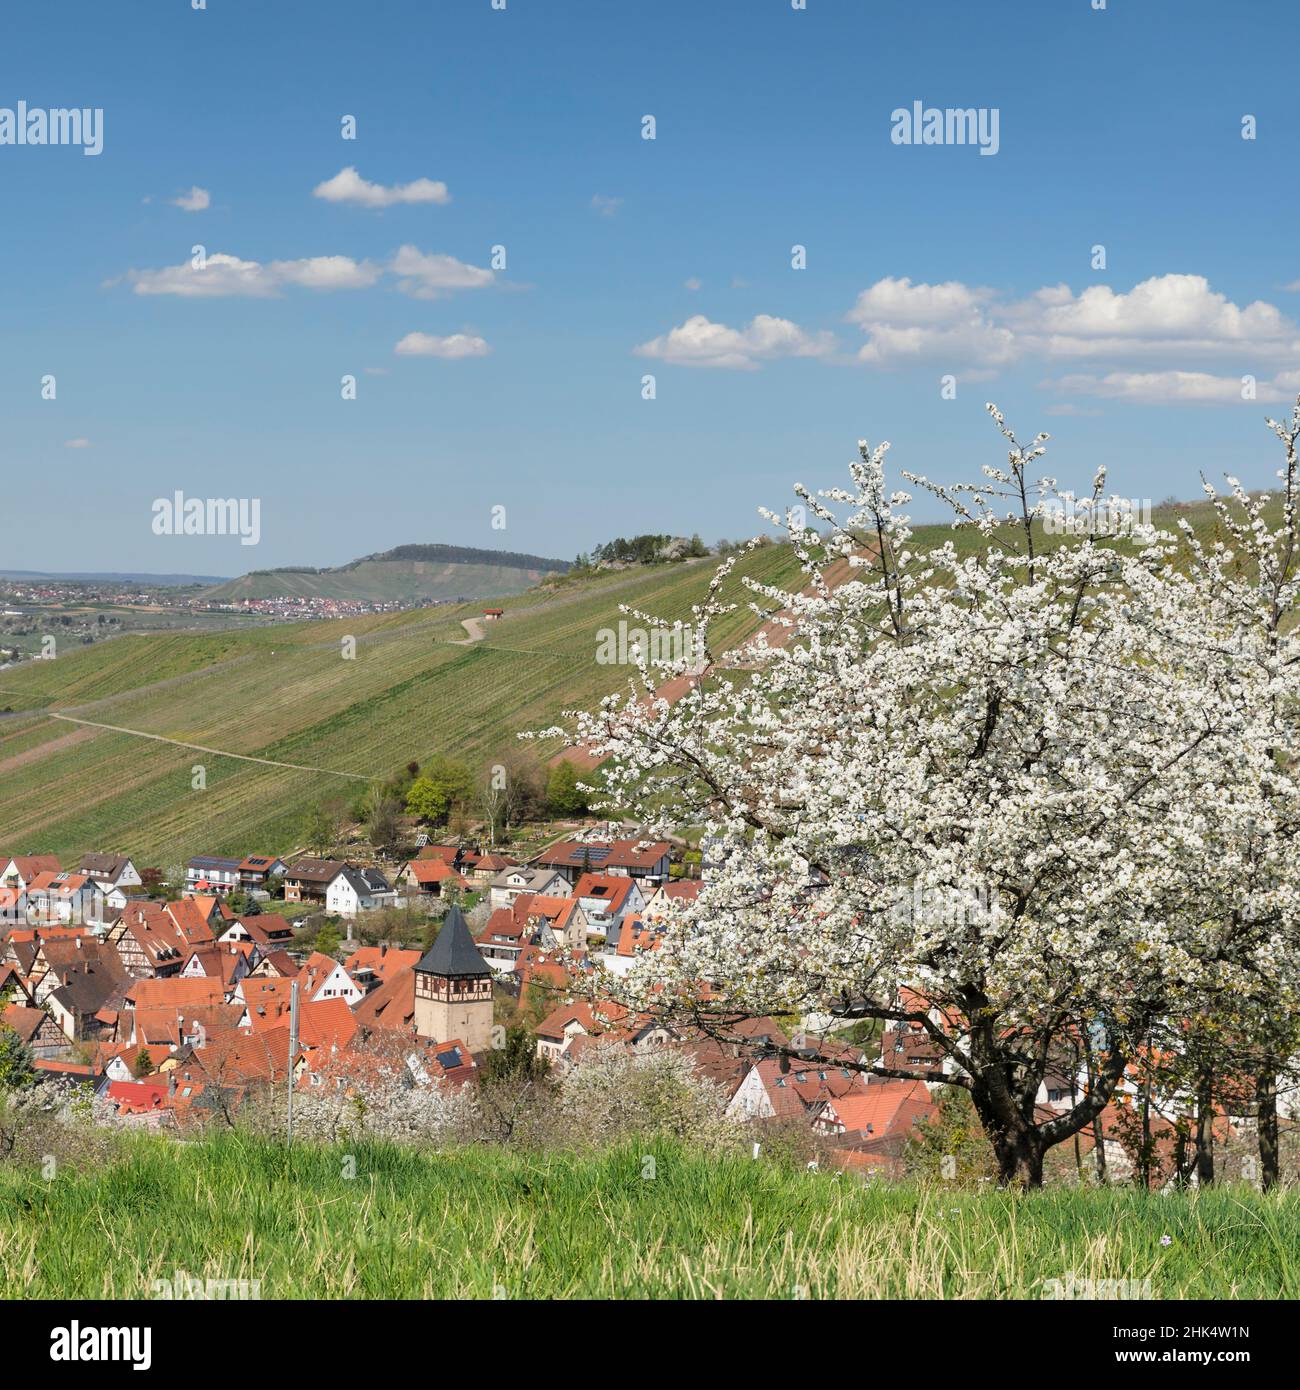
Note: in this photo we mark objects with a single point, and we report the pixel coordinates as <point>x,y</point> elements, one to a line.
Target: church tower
<point>453,988</point>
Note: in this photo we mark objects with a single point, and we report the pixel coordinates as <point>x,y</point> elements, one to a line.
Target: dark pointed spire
<point>453,951</point>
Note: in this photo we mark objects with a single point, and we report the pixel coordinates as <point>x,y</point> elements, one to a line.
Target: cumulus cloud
<point>701,343</point>
<point>456,346</point>
<point>1175,388</point>
<point>430,276</point>
<point>347,186</point>
<point>1165,327</point>
<point>222,275</point>
<point>950,323</point>
<point>196,200</point>
<point>1159,315</point>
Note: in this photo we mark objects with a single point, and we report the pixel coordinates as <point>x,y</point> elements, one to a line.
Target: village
<point>264,974</point>
<point>172,1010</point>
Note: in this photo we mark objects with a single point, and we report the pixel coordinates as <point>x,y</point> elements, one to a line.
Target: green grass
<point>484,1223</point>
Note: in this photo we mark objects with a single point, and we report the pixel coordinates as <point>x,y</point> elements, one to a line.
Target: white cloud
<point>196,200</point>
<point>949,323</point>
<point>1171,317</point>
<point>326,273</point>
<point>1159,315</point>
<point>429,276</point>
<point>456,346</point>
<point>347,186</point>
<point>223,275</point>
<point>605,205</point>
<point>1172,388</point>
<point>692,284</point>
<point>902,304</point>
<point>76,443</point>
<point>701,343</point>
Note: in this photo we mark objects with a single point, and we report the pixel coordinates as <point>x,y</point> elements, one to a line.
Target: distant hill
<point>407,574</point>
<point>170,581</point>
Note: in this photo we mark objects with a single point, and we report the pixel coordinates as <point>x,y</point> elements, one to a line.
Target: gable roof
<point>880,1108</point>
<point>604,888</point>
<point>391,1005</point>
<point>382,961</point>
<point>24,1021</point>
<point>434,871</point>
<point>110,865</point>
<point>29,865</point>
<point>363,882</point>
<point>453,952</point>
<point>603,854</point>
<point>320,871</point>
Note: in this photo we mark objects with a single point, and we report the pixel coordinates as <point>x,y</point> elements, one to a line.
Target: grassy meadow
<point>656,1222</point>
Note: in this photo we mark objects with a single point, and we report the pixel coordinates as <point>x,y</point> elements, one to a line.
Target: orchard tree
<point>1023,790</point>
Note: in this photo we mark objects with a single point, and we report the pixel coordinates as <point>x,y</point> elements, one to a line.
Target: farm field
<point>492,1223</point>
<point>285,694</point>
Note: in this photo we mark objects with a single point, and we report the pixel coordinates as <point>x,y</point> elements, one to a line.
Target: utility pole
<point>293,1052</point>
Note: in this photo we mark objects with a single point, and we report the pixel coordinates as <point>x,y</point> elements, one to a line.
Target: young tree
<point>382,822</point>
<point>445,783</point>
<point>320,829</point>
<point>563,794</point>
<point>996,790</point>
<point>17,1066</point>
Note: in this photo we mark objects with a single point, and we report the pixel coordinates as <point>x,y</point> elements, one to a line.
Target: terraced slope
<point>286,694</point>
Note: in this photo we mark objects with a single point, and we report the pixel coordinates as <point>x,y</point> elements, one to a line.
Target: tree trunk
<point>1204,1128</point>
<point>1098,1136</point>
<point>1017,1146</point>
<point>1020,1160</point>
<point>1266,1124</point>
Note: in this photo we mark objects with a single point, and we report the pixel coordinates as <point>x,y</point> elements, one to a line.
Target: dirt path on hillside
<point>776,632</point>
<point>215,752</point>
<point>474,626</point>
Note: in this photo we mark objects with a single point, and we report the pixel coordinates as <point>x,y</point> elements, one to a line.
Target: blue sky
<point>625,256</point>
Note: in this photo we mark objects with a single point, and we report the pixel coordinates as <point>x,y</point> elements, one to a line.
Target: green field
<point>285,693</point>
<point>653,1221</point>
